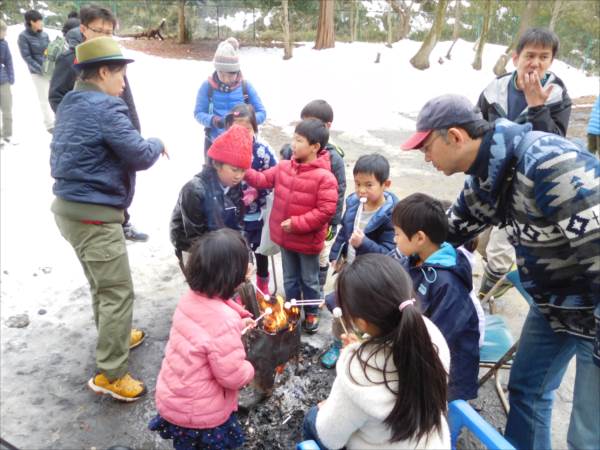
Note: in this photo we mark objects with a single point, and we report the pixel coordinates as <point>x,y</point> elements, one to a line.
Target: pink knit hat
<point>227,58</point>
<point>234,147</point>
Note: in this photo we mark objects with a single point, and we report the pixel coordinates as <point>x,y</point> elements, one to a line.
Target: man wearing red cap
<point>545,191</point>
<point>212,199</point>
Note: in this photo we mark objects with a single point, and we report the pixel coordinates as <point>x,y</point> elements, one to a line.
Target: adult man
<point>531,94</point>
<point>33,42</point>
<point>95,22</point>
<point>546,190</point>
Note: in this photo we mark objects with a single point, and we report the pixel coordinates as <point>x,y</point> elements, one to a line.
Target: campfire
<point>276,337</point>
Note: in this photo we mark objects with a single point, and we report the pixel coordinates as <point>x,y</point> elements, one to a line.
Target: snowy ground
<point>44,366</point>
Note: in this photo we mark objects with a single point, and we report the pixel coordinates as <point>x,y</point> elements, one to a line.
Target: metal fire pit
<point>267,351</point>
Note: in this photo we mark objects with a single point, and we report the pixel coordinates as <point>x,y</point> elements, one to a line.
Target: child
<point>320,109</point>
<point>213,198</point>
<point>7,77</point>
<point>262,158</point>
<point>374,233</point>
<point>205,362</point>
<point>390,389</point>
<point>305,198</point>
<point>442,280</point>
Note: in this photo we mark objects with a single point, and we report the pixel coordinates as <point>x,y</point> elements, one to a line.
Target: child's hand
<point>250,271</point>
<point>286,225</point>
<point>321,404</point>
<point>348,339</point>
<point>165,153</point>
<point>337,265</point>
<point>357,238</point>
<point>249,322</point>
<point>250,194</point>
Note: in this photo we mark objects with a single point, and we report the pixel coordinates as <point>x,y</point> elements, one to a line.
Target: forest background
<point>285,22</point>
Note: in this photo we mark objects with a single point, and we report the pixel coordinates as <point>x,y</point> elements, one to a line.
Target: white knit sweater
<point>354,412</point>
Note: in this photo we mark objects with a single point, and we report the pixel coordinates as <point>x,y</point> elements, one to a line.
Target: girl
<point>254,201</point>
<point>390,389</point>
<point>205,362</point>
<point>212,199</point>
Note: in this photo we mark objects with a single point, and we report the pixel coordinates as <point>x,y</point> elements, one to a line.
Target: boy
<point>304,204</point>
<point>530,94</point>
<point>212,199</point>
<point>320,109</point>
<point>373,232</point>
<point>442,281</point>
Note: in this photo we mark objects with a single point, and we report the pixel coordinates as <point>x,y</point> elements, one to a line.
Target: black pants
<point>262,265</point>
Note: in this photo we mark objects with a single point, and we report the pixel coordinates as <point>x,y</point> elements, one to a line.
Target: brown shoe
<point>125,389</point>
<point>137,337</point>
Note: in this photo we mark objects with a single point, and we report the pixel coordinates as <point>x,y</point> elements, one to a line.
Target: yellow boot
<point>126,388</point>
<point>137,337</point>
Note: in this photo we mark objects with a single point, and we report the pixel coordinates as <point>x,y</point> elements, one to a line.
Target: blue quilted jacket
<point>552,212</point>
<point>96,150</point>
<point>221,104</point>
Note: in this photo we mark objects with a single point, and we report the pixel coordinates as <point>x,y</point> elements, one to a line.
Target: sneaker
<point>330,357</point>
<point>311,323</point>
<point>125,389</point>
<point>134,235</point>
<point>10,141</point>
<point>137,337</point>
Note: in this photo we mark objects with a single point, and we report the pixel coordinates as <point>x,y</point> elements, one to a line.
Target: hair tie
<point>405,303</point>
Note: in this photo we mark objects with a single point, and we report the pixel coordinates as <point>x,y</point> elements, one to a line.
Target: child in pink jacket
<point>205,362</point>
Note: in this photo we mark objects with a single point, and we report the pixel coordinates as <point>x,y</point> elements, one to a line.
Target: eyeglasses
<point>100,31</point>
<point>426,148</point>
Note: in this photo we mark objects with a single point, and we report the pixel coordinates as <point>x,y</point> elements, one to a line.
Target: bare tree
<point>500,66</point>
<point>181,32</point>
<point>483,36</point>
<point>556,7</point>
<point>326,26</point>
<point>403,11</point>
<point>389,29</point>
<point>287,44</point>
<point>353,20</point>
<point>456,32</point>
<point>421,59</point>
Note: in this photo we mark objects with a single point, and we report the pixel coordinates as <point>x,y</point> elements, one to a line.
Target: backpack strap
<point>209,94</point>
<point>245,92</point>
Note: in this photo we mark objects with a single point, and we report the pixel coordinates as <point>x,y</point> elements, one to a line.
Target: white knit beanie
<point>227,58</point>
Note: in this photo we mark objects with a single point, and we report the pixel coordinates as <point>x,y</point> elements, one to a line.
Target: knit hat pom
<point>227,58</point>
<point>234,147</point>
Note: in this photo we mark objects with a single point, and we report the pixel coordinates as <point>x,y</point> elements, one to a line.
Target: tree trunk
<point>555,12</point>
<point>421,59</point>
<point>326,27</point>
<point>500,66</point>
<point>181,34</point>
<point>403,12</point>
<point>287,44</point>
<point>389,30</point>
<point>483,37</point>
<point>353,20</point>
<point>456,32</point>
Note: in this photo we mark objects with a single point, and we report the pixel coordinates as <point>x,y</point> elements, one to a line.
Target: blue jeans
<point>301,277</point>
<point>541,361</point>
<point>309,427</point>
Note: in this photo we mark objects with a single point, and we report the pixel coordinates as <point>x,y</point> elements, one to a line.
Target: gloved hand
<point>218,121</point>
<point>331,232</point>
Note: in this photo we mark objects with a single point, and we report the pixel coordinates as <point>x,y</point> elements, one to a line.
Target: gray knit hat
<point>227,58</point>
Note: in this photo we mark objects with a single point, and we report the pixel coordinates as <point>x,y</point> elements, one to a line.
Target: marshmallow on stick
<point>266,313</point>
<point>337,313</point>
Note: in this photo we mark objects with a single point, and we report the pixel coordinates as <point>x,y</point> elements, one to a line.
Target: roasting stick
<point>266,296</point>
<point>337,313</point>
<point>308,302</point>
<point>267,312</point>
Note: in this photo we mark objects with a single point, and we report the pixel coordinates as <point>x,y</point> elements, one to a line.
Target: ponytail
<point>375,288</point>
<point>422,380</point>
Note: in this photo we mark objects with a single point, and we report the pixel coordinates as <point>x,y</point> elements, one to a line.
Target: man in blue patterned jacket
<point>546,191</point>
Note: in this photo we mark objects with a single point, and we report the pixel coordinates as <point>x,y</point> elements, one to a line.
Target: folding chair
<point>307,445</point>
<point>461,415</point>
<point>499,347</point>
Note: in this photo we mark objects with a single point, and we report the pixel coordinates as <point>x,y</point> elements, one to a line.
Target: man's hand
<point>337,265</point>
<point>286,225</point>
<point>535,93</point>
<point>165,153</point>
<point>357,238</point>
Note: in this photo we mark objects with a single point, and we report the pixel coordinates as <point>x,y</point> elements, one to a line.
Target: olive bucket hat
<point>97,50</point>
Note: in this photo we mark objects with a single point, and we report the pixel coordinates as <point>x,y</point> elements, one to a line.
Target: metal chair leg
<point>274,272</point>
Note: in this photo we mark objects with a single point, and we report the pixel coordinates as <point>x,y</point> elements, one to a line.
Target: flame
<point>281,318</point>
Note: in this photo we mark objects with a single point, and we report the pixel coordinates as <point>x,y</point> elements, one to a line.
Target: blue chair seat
<point>497,342</point>
<point>460,414</point>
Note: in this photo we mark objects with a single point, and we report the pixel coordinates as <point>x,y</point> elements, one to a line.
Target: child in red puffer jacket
<point>305,202</point>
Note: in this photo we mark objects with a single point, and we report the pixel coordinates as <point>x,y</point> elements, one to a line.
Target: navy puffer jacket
<point>96,150</point>
<point>32,46</point>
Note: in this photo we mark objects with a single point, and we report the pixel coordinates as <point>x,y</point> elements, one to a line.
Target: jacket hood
<point>448,258</point>
<point>322,161</point>
<point>74,37</point>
